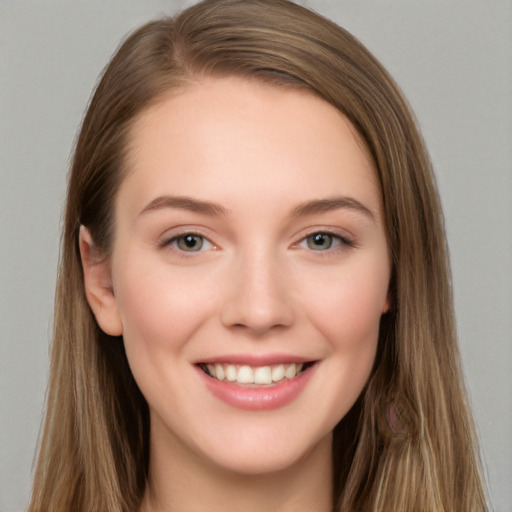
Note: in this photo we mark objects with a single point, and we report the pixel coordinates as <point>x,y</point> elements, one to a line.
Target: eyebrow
<point>332,203</point>
<point>312,207</point>
<point>185,203</point>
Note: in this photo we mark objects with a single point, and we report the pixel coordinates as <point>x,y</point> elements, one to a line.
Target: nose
<point>258,295</point>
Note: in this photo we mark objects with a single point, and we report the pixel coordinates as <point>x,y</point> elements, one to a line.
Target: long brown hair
<point>408,443</point>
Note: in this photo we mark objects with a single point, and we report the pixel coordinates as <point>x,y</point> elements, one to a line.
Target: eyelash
<point>337,240</point>
<point>339,243</point>
<point>173,241</point>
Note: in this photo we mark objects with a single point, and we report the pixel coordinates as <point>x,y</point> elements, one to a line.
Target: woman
<point>254,297</point>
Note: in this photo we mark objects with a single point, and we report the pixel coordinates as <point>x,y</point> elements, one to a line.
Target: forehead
<point>233,135</point>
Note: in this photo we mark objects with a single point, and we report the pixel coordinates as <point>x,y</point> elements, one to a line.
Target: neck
<point>189,484</point>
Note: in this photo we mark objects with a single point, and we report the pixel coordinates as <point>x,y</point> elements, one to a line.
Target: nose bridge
<point>258,296</point>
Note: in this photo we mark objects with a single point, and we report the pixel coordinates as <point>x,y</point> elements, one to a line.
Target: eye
<point>324,241</point>
<point>320,241</point>
<point>190,242</point>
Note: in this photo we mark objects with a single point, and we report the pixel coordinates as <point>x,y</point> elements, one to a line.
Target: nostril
<point>258,318</point>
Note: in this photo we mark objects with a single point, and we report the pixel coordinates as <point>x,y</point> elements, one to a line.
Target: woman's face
<point>249,272</point>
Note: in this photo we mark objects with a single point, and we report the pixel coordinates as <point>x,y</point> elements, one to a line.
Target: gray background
<point>452,58</point>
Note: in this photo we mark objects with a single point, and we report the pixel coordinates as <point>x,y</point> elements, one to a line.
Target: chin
<point>267,453</point>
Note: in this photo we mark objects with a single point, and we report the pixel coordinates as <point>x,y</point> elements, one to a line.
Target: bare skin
<point>293,489</point>
<point>249,239</point>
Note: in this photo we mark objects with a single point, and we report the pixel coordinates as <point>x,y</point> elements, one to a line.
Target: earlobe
<point>387,304</point>
<point>98,285</point>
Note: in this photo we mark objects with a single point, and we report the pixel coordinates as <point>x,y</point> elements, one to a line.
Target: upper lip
<point>256,359</point>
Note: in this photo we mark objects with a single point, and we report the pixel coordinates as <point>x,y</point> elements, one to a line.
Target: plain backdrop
<point>452,58</point>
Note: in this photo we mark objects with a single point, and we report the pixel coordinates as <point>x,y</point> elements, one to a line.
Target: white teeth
<point>263,375</point>
<point>278,372</point>
<point>219,372</point>
<point>211,370</point>
<point>290,371</point>
<point>231,372</point>
<point>245,374</point>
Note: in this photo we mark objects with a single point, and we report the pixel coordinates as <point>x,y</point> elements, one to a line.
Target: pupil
<point>321,241</point>
<point>190,242</point>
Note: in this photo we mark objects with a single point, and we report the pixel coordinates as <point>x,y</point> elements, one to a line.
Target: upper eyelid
<point>345,240</point>
<point>170,244</point>
<point>178,231</point>
<point>167,240</point>
<point>173,233</point>
<point>341,239</point>
<point>342,234</point>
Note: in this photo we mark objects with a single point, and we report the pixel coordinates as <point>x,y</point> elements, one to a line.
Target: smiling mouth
<point>255,375</point>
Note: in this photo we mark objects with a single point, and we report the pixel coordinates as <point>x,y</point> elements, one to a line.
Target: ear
<point>386,308</point>
<point>98,285</point>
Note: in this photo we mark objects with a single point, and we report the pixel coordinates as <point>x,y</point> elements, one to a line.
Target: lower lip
<point>258,399</point>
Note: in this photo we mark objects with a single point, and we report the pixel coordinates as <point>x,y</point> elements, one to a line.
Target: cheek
<point>348,316</point>
<point>348,306</point>
<point>160,307</point>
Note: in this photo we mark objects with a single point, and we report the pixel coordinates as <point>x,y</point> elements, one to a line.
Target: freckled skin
<point>255,286</point>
